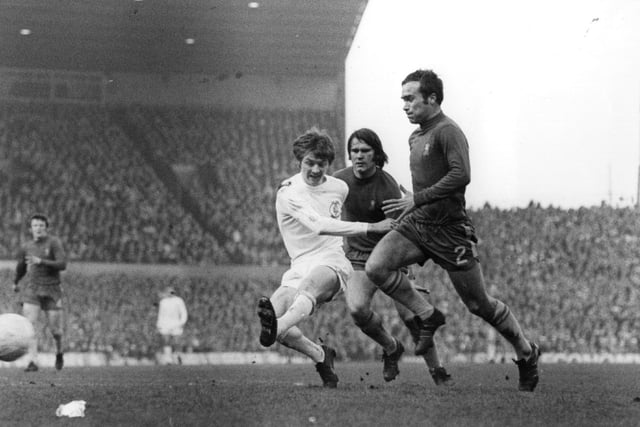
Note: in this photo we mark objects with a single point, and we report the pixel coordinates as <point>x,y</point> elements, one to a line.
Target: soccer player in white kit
<point>172,316</point>
<point>308,208</point>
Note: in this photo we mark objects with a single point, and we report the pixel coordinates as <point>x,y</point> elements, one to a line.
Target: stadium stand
<point>104,200</point>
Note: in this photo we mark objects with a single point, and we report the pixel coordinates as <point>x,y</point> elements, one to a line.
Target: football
<point>16,332</point>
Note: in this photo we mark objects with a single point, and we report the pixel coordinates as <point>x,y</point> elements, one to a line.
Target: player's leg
<point>281,299</point>
<point>31,311</point>
<point>54,315</point>
<point>167,350</point>
<point>269,309</point>
<point>392,253</point>
<point>470,286</point>
<point>318,286</point>
<point>358,294</point>
<point>292,305</point>
<point>431,357</point>
<point>322,355</point>
<point>289,305</point>
<point>176,346</point>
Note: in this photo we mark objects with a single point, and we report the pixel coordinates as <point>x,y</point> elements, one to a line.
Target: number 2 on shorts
<point>460,251</point>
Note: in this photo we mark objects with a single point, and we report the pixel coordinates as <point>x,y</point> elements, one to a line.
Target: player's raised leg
<point>317,287</point>
<point>288,306</point>
<point>293,338</point>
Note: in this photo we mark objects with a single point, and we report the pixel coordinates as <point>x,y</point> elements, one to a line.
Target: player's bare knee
<point>370,269</point>
<point>376,272</point>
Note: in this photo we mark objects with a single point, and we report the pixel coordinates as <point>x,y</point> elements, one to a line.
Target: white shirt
<point>308,218</point>
<point>172,313</point>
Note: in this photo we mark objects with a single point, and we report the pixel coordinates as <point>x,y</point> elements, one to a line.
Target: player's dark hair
<point>317,142</point>
<point>430,84</point>
<point>372,139</point>
<point>41,217</point>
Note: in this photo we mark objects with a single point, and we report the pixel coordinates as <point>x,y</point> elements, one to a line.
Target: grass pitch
<point>291,395</point>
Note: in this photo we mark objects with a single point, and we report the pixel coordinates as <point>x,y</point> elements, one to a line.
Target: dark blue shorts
<point>357,258</point>
<point>47,297</point>
<point>452,246</point>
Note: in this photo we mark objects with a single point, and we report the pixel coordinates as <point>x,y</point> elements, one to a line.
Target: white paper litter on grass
<point>73,409</point>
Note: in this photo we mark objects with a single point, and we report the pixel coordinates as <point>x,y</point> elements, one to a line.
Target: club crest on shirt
<point>335,209</point>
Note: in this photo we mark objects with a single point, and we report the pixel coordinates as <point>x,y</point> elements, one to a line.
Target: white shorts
<point>174,331</point>
<point>292,277</point>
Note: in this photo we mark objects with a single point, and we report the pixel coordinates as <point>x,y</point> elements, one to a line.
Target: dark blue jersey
<point>440,171</point>
<point>54,260</point>
<point>364,203</point>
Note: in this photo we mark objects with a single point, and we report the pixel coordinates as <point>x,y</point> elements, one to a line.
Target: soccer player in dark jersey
<point>369,186</point>
<point>41,260</point>
<point>434,223</point>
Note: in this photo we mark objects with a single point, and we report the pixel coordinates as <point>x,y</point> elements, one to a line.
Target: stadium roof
<point>279,37</point>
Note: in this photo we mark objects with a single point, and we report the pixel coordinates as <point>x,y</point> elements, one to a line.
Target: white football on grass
<point>16,332</point>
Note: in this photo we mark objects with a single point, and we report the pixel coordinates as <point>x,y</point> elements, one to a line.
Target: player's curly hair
<point>317,142</point>
<point>430,84</point>
<point>372,139</point>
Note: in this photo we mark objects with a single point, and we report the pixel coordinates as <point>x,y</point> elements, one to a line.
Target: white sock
<point>295,340</point>
<point>301,308</point>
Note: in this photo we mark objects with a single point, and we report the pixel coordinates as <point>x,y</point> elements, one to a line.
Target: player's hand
<point>381,227</point>
<point>403,205</point>
<point>33,260</point>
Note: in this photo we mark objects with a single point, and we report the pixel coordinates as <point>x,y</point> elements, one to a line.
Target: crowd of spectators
<point>104,200</point>
<point>572,276</point>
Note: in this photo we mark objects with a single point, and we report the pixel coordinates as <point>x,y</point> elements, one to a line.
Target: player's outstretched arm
<point>322,225</point>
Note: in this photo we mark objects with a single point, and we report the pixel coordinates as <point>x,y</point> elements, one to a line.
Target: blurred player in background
<point>434,221</point>
<point>308,208</point>
<point>172,316</point>
<point>369,186</point>
<point>41,260</point>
